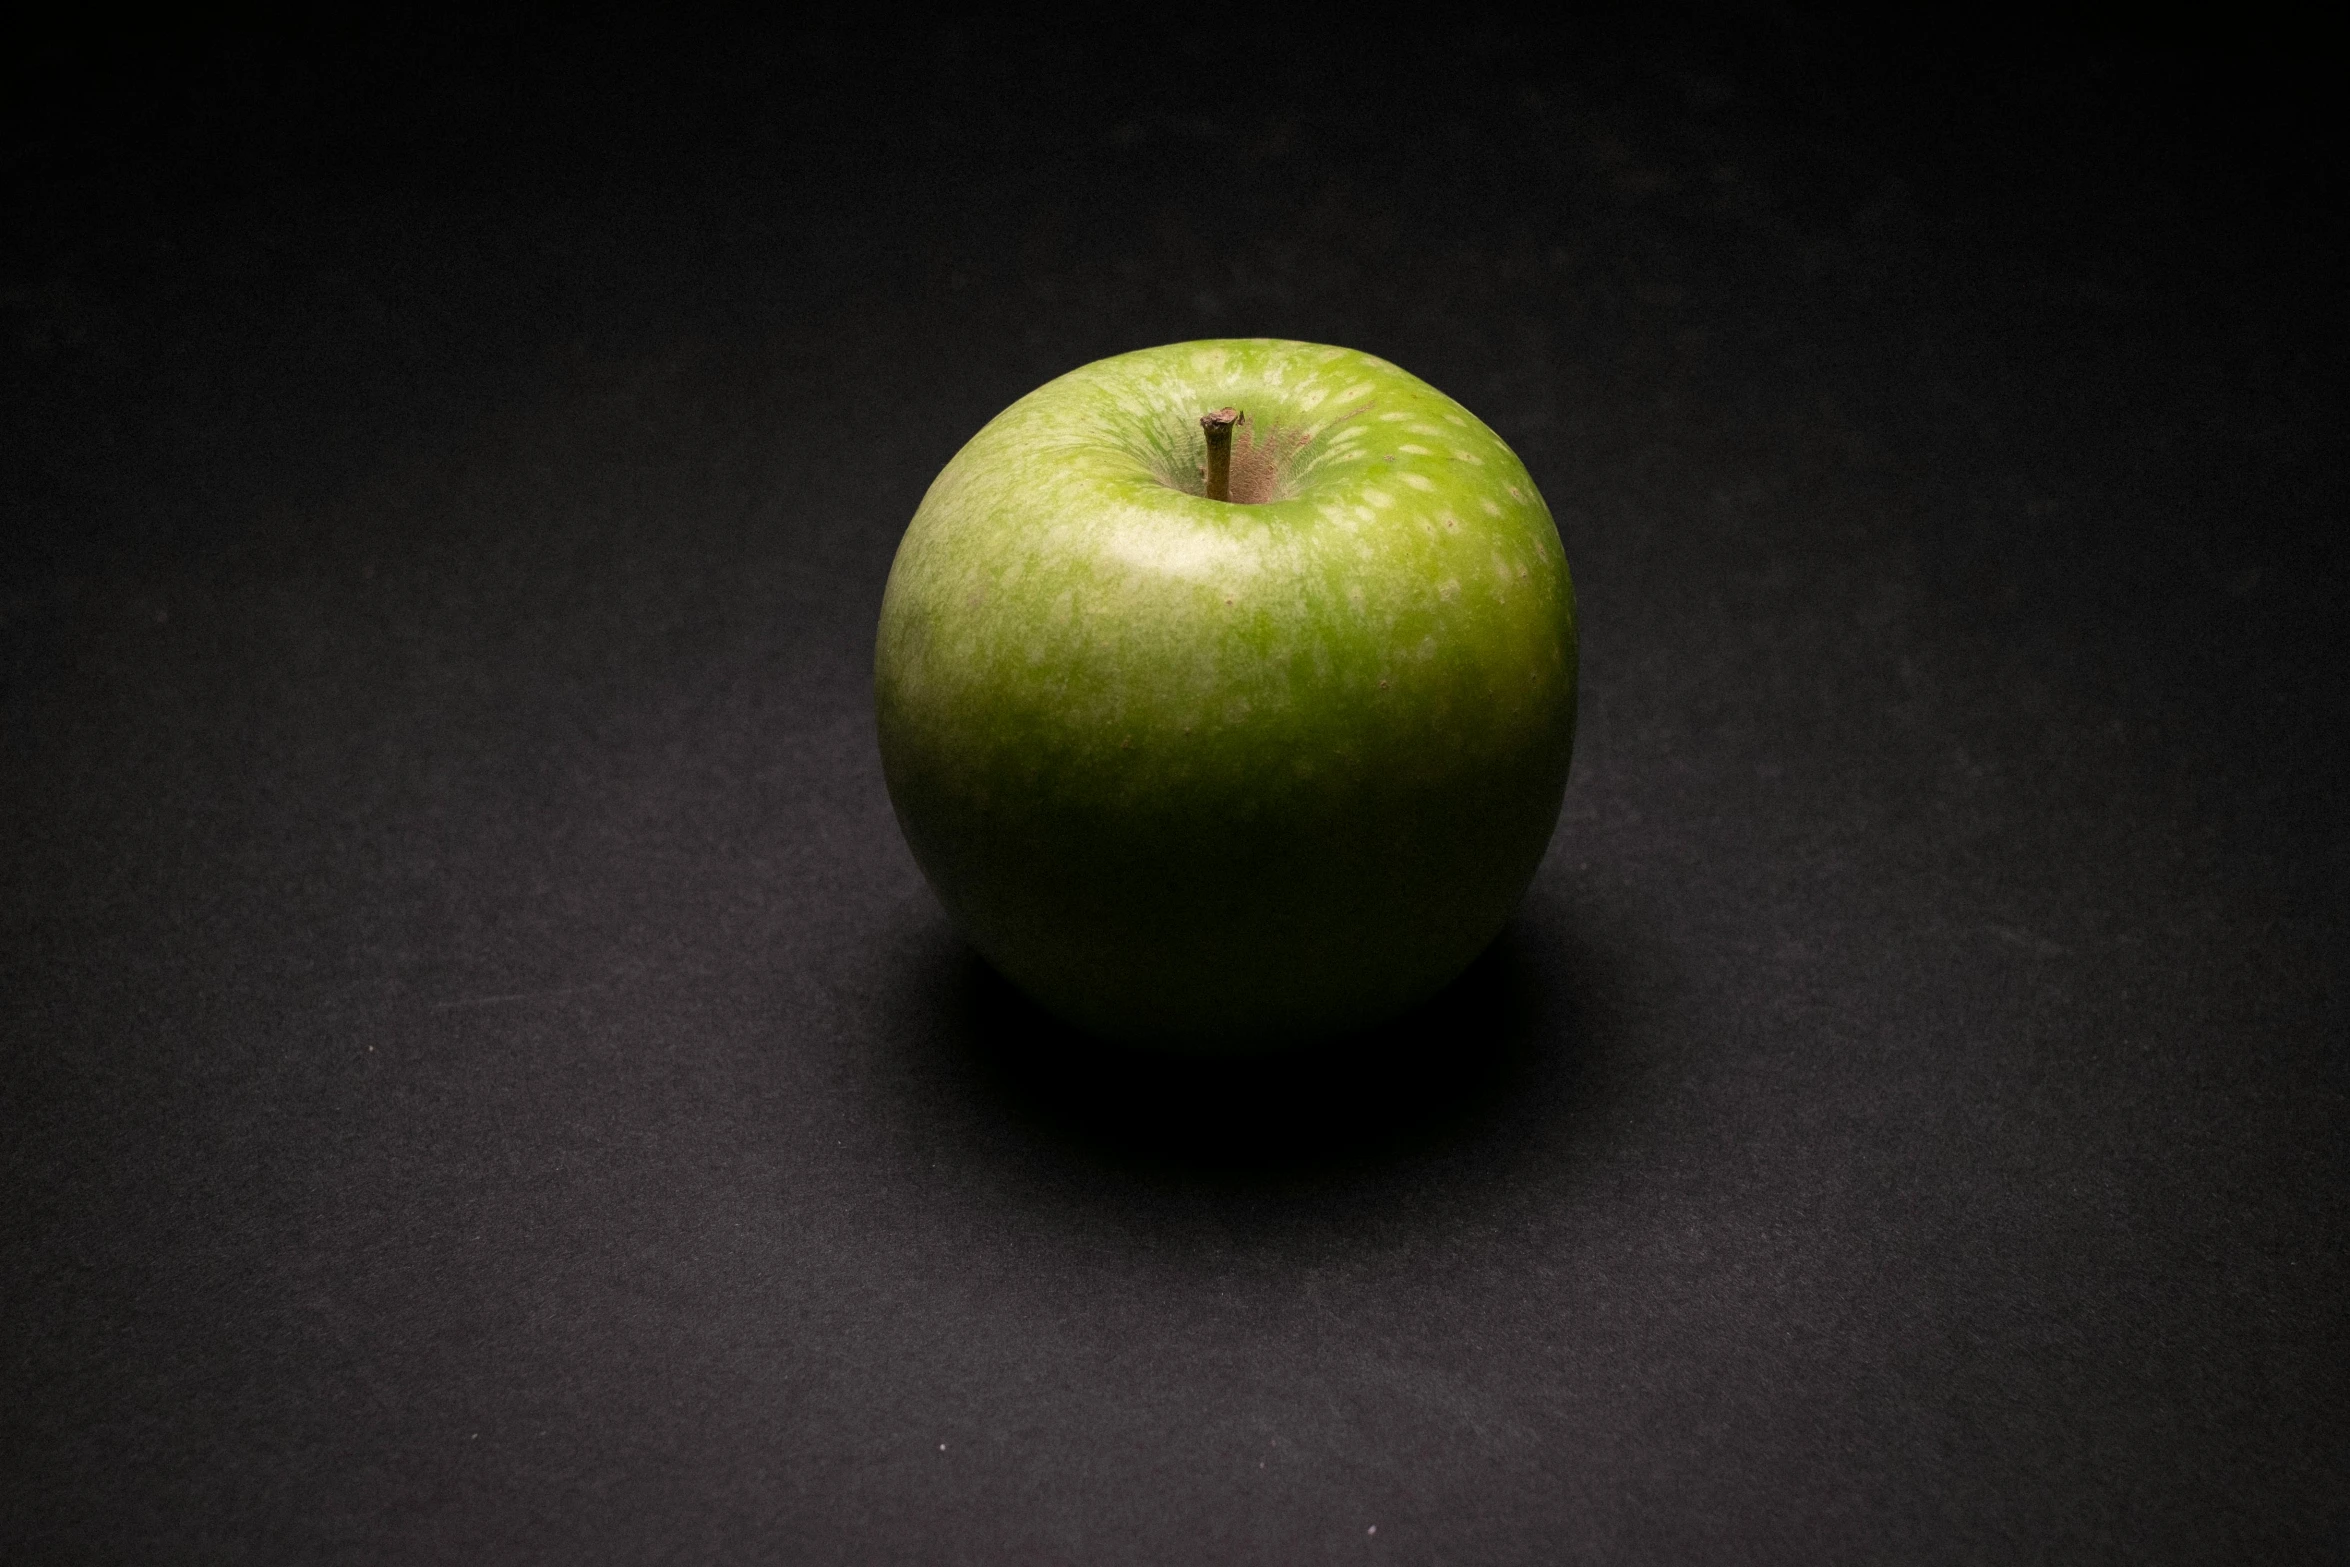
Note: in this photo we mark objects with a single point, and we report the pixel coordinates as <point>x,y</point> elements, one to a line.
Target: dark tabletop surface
<point>481,1078</point>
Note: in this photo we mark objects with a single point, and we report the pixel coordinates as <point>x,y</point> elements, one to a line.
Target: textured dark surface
<point>484,1081</point>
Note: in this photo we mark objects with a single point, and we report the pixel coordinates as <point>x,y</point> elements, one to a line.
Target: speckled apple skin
<point>1220,777</point>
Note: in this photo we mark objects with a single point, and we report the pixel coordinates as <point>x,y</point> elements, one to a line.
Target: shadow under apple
<point>1436,1074</point>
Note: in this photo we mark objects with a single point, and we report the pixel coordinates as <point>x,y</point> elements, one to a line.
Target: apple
<point>1229,774</point>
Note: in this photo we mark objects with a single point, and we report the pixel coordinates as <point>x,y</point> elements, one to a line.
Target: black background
<point>483,1079</point>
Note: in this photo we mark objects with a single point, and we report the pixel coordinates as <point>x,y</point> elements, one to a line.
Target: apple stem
<point>1219,425</point>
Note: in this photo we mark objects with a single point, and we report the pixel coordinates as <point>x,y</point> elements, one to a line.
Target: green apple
<point>1225,775</point>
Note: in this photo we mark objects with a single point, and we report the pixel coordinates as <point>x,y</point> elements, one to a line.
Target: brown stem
<point>1219,428</point>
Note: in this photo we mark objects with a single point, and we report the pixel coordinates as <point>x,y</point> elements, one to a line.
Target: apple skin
<point>1218,777</point>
